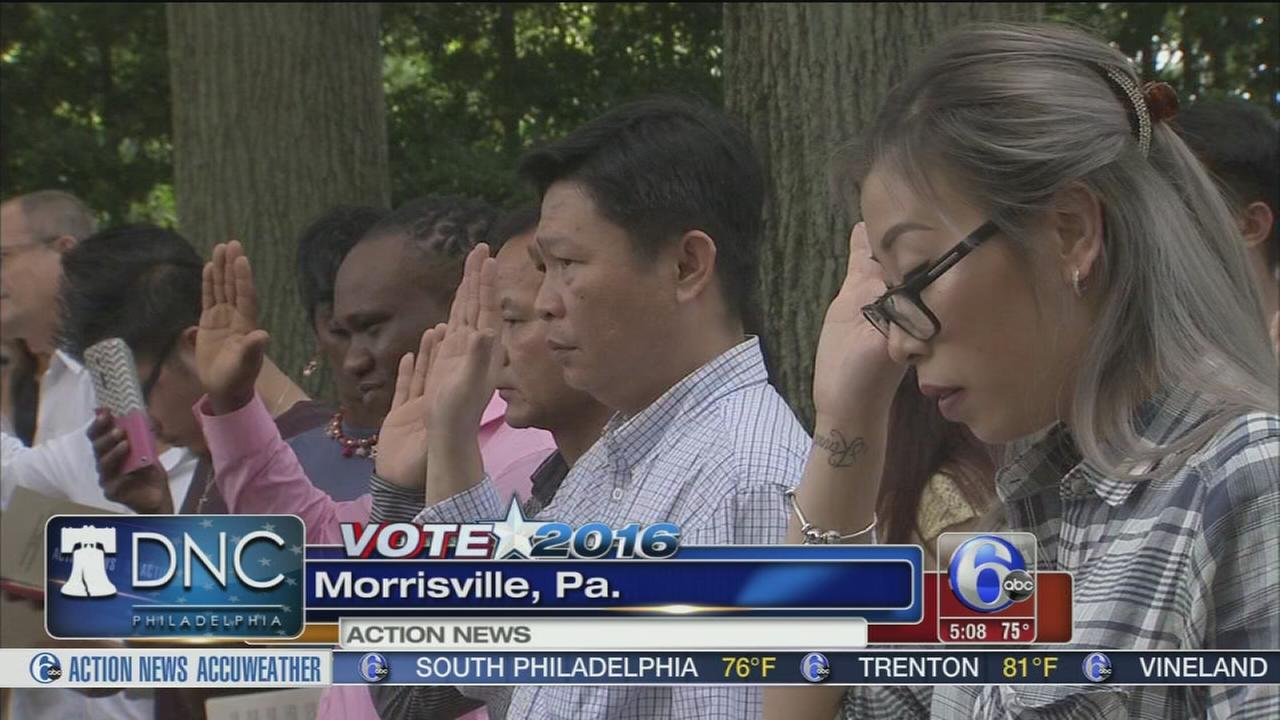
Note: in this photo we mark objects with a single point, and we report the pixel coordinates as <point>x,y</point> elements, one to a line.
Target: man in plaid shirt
<point>650,223</point>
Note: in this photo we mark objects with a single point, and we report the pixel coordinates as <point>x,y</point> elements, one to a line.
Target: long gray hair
<point>1016,113</point>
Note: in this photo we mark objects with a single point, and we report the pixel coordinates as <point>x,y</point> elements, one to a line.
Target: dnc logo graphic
<point>88,547</point>
<point>988,573</point>
<point>174,576</point>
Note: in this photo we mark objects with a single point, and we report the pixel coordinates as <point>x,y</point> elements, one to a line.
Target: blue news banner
<point>990,667</point>
<point>234,576</point>
<point>880,583</point>
<point>242,576</point>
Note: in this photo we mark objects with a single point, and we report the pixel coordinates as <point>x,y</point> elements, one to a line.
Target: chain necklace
<point>359,447</point>
<point>204,496</point>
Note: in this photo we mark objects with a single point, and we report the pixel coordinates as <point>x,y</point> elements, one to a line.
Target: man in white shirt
<point>35,231</point>
<point>61,463</point>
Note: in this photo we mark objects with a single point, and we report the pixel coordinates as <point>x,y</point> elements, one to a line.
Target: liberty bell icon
<point>88,547</point>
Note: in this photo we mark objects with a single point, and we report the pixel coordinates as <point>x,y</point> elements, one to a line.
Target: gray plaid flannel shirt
<point>1189,559</point>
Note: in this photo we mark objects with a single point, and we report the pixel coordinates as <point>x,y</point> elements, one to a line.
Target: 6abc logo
<point>1096,667</point>
<point>815,667</point>
<point>45,668</point>
<point>374,667</point>
<point>988,573</point>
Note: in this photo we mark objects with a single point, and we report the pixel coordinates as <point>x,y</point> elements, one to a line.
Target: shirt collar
<point>496,410</point>
<point>61,363</point>
<point>548,478</point>
<point>1051,457</point>
<point>629,440</point>
<point>1035,462</point>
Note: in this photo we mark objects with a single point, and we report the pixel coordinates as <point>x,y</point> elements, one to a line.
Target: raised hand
<point>402,442</point>
<point>461,380</point>
<point>145,490</point>
<point>853,372</point>
<point>853,387</point>
<point>229,344</point>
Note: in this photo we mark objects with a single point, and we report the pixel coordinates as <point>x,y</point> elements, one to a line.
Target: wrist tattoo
<point>843,452</point>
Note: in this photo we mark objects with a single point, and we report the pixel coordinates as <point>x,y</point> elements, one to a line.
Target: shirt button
<point>617,493</point>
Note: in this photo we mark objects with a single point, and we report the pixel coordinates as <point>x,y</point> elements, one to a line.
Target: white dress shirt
<point>66,398</point>
<point>61,464</point>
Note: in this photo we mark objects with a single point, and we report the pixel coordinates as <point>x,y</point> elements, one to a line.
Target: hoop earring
<point>311,367</point>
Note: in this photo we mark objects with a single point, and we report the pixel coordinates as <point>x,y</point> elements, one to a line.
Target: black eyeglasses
<point>153,377</point>
<point>902,305</point>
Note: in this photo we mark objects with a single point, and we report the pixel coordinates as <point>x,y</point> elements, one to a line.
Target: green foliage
<point>84,105</point>
<point>84,99</point>
<point>1202,49</point>
<point>470,86</point>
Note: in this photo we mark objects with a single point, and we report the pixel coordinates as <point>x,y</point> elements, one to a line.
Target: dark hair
<point>921,444</point>
<point>443,228</point>
<point>1239,143</point>
<point>140,283</point>
<point>516,222</point>
<point>661,167</point>
<point>321,248</point>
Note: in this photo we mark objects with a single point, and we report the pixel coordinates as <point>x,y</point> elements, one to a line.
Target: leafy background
<point>84,88</point>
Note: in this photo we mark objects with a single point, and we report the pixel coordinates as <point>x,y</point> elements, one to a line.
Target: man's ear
<point>1078,228</point>
<point>695,265</point>
<point>62,243</point>
<point>187,345</point>
<point>1256,223</point>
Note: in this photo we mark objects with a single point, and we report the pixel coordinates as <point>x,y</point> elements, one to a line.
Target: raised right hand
<point>447,384</point>
<point>461,382</point>
<point>853,373</point>
<point>402,442</point>
<point>229,345</point>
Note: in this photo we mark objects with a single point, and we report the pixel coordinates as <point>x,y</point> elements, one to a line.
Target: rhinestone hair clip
<point>1154,102</point>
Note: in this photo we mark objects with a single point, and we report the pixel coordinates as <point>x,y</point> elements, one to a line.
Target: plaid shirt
<point>1182,560</point>
<point>714,455</point>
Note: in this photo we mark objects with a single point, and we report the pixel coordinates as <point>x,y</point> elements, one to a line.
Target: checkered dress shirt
<point>713,455</point>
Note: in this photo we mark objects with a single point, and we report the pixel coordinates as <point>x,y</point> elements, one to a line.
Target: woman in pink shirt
<point>390,288</point>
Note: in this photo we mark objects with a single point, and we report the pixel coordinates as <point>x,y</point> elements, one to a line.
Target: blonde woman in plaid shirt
<point>1105,330</point>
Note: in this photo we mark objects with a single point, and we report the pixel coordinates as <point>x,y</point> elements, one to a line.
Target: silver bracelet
<point>817,536</point>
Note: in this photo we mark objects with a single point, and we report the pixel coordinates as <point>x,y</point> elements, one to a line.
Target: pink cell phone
<point>116,386</point>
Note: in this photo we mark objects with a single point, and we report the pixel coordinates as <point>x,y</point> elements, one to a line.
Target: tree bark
<point>805,78</point>
<point>508,107</point>
<point>278,114</point>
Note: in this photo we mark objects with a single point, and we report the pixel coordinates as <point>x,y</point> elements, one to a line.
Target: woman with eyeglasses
<point>1065,280</point>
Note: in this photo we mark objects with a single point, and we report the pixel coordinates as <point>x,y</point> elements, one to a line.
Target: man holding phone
<point>140,284</point>
<point>38,232</point>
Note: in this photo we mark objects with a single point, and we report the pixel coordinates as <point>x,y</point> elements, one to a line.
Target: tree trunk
<point>508,105</point>
<point>805,78</point>
<point>278,114</point>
